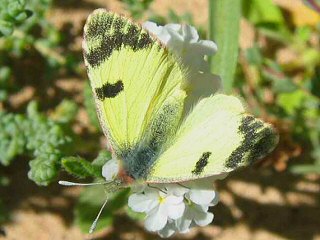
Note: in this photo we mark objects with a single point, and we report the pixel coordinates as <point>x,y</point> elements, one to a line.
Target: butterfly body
<point>140,89</point>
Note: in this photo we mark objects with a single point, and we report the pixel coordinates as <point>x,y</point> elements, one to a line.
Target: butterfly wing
<point>217,137</point>
<point>135,81</point>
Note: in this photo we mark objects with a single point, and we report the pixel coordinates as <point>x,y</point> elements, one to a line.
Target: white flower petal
<point>156,220</point>
<point>175,211</point>
<point>201,196</point>
<point>160,31</point>
<point>203,208</point>
<point>189,33</point>
<point>183,224</point>
<point>205,47</point>
<point>203,218</point>
<point>176,189</point>
<point>110,169</point>
<point>173,26</point>
<point>215,200</point>
<point>140,203</point>
<point>171,199</point>
<point>168,230</point>
<point>152,27</point>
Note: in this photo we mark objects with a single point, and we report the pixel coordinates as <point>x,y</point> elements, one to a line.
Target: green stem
<point>224,28</point>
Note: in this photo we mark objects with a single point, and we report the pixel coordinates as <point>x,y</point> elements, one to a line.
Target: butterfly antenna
<point>67,183</point>
<point>94,224</point>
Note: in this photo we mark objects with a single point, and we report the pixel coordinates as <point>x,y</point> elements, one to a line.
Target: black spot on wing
<point>109,90</point>
<point>257,142</point>
<point>201,163</point>
<point>113,32</point>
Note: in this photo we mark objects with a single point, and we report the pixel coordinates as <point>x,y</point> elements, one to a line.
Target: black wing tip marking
<point>258,141</point>
<point>109,90</point>
<point>98,28</point>
<point>201,163</point>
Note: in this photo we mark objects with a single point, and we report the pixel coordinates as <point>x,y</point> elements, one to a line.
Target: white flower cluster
<point>170,208</point>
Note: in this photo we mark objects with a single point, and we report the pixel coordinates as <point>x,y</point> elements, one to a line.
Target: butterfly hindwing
<point>217,137</point>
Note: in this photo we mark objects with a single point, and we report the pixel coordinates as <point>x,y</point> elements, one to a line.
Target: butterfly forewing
<point>131,74</point>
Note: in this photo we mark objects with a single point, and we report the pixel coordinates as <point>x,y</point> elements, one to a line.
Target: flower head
<point>171,208</point>
<point>159,206</point>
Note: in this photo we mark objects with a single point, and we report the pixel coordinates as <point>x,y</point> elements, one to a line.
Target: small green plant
<point>12,13</point>
<point>43,139</point>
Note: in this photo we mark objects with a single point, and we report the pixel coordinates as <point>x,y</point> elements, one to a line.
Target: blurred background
<point>47,115</point>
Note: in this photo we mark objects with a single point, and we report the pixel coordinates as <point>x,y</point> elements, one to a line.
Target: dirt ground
<point>256,203</point>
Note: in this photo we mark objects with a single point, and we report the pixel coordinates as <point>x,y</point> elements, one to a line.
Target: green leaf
<point>65,112</point>
<point>6,28</point>
<point>268,18</point>
<point>292,101</point>
<point>36,135</point>
<point>91,200</point>
<point>285,85</point>
<point>12,137</point>
<point>305,169</point>
<point>254,56</point>
<point>224,21</point>
<point>315,83</point>
<point>43,170</point>
<point>102,158</point>
<point>262,12</point>
<point>80,167</point>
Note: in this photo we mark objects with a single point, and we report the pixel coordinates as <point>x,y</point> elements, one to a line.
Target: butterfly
<point>140,89</point>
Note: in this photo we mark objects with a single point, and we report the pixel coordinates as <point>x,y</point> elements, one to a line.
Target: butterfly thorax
<point>137,163</point>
